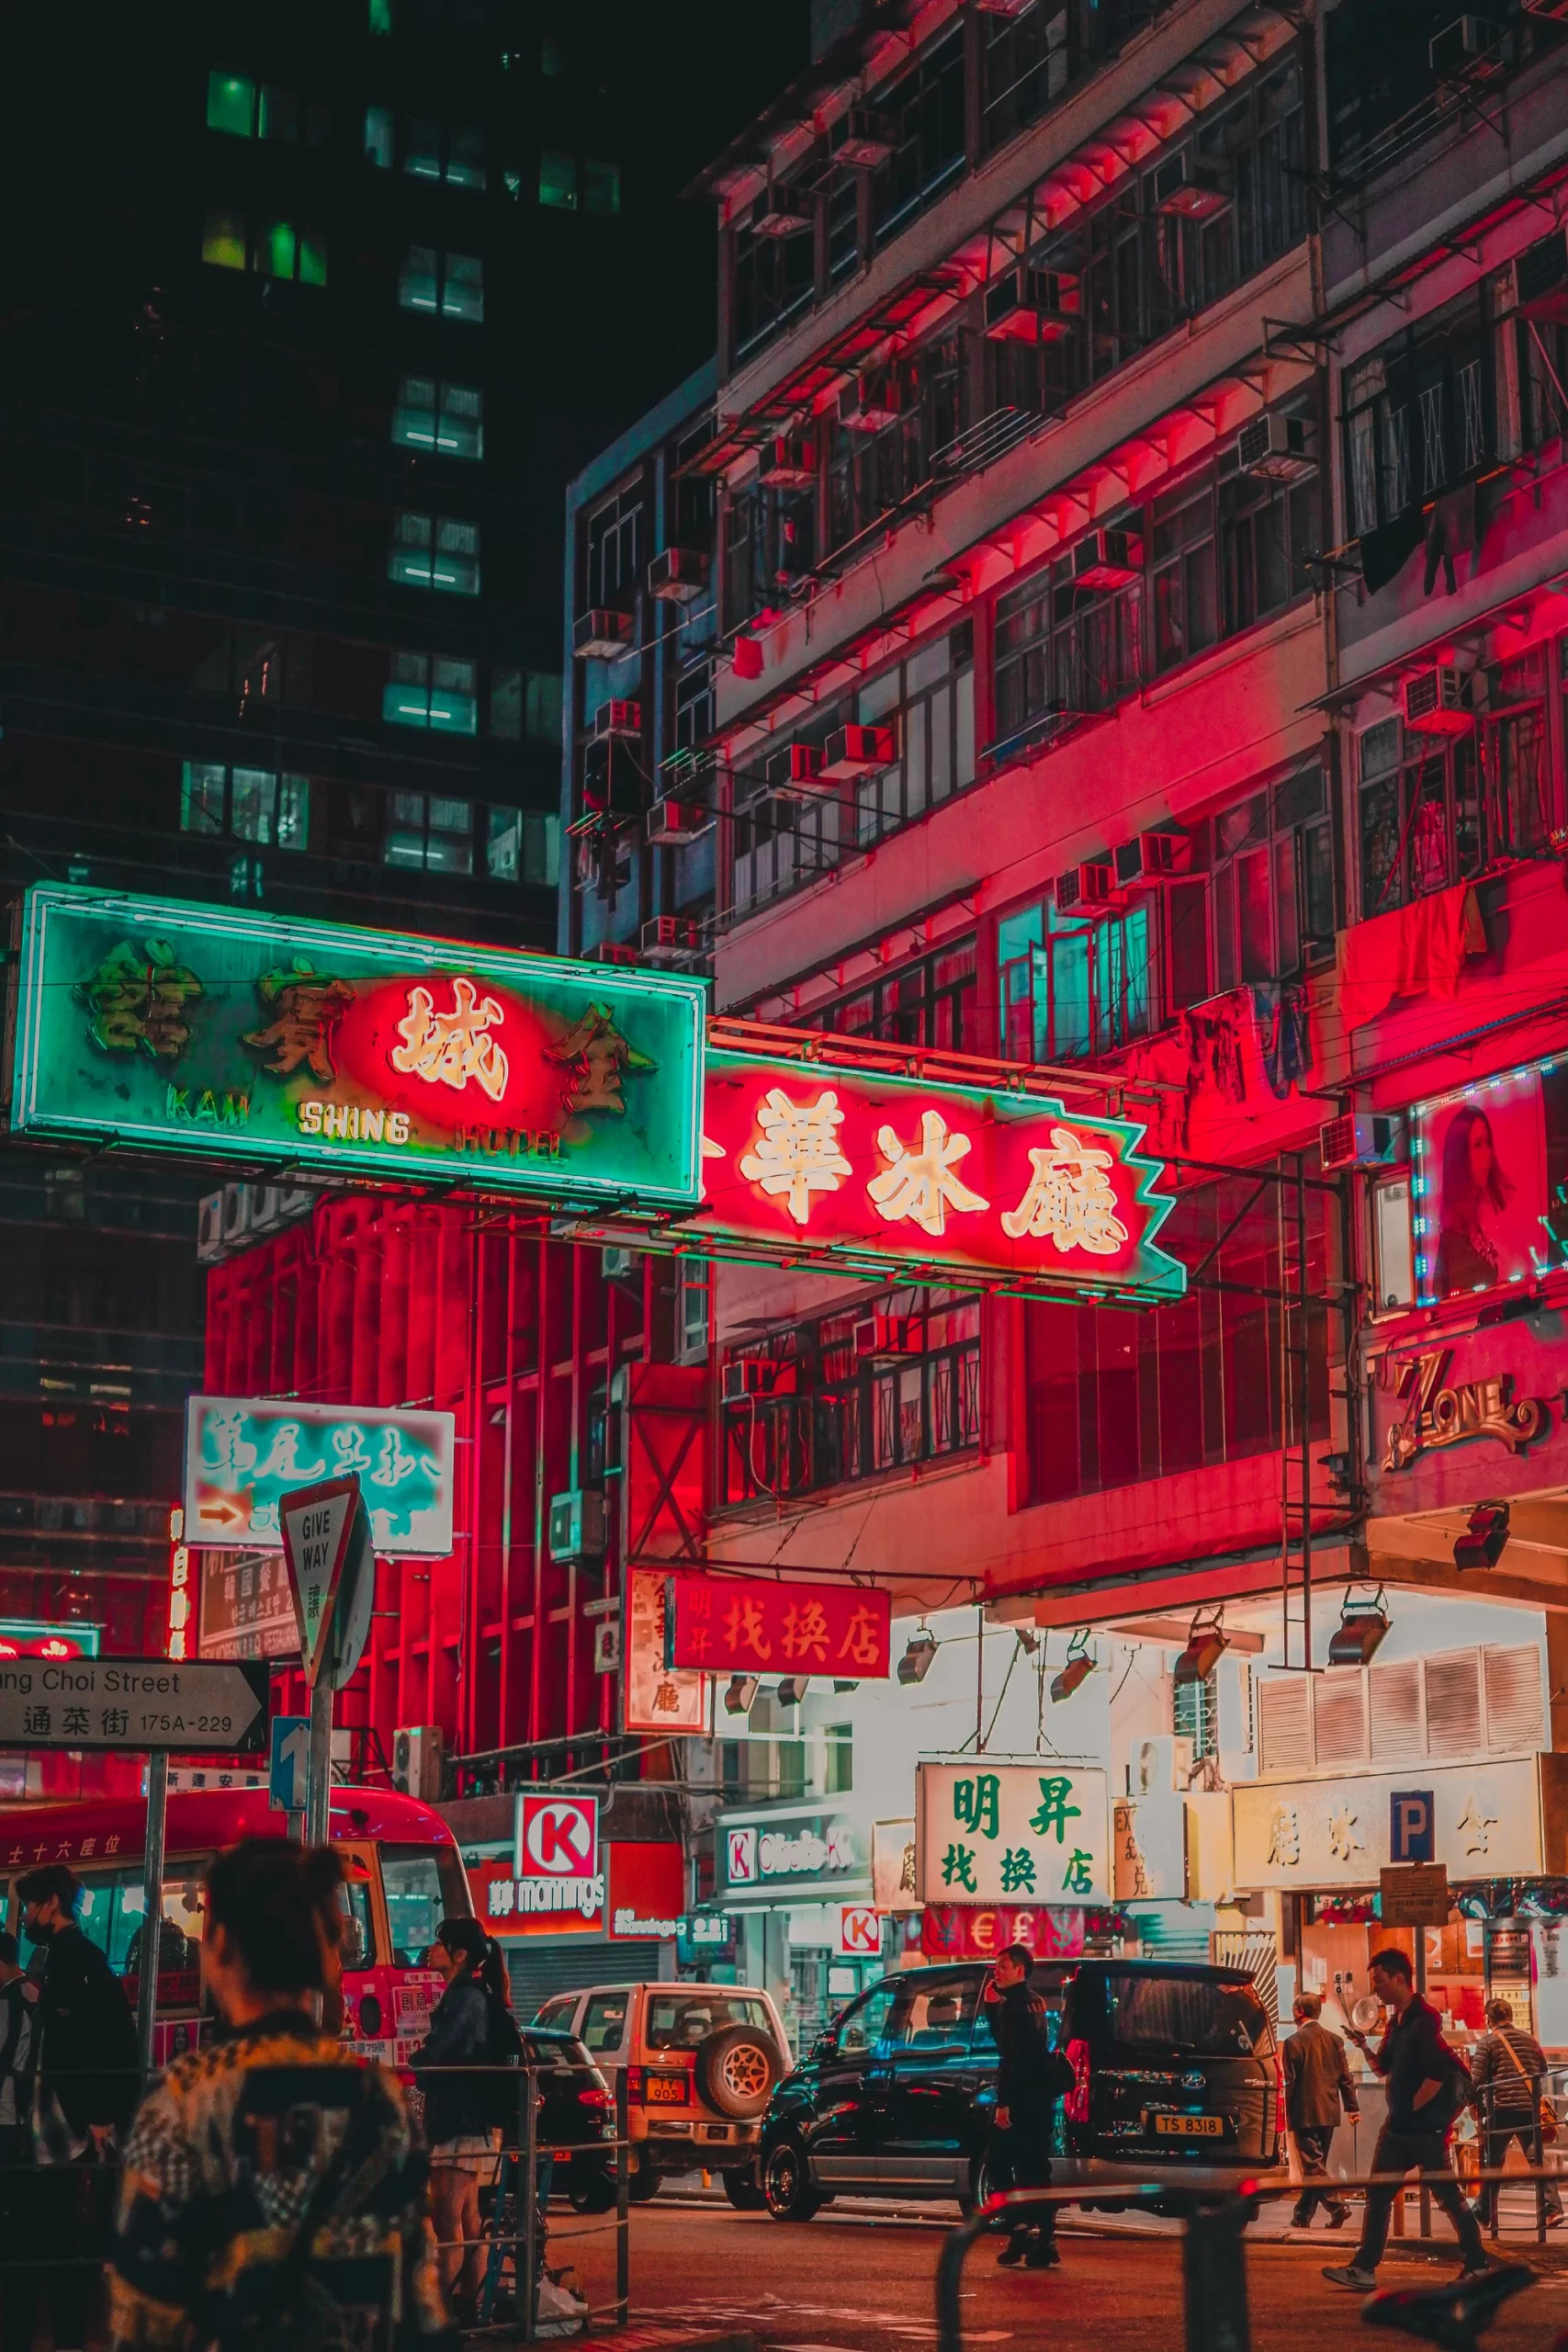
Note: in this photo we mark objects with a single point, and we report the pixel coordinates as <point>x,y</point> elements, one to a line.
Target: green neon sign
<point>221,1034</point>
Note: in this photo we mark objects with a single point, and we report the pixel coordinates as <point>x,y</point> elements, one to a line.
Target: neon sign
<point>30,1637</point>
<point>227,1034</point>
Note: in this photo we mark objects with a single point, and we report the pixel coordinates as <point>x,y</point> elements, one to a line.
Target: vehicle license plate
<point>1190,2127</point>
<point>666,2090</point>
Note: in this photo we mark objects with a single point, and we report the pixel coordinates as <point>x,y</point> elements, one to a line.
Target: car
<point>1174,2065</point>
<point>576,2112</point>
<point>700,2060</point>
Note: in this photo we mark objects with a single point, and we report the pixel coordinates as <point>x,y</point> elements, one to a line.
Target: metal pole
<point>979,1677</point>
<point>529,2203</point>
<point>1304,1344</point>
<point>623,2202</point>
<point>319,1787</point>
<point>152,1904</point>
<point>1425,2197</point>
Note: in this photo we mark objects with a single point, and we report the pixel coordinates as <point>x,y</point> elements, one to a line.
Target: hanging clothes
<point>1418,950</point>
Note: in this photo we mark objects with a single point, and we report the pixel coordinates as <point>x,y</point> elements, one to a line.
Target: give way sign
<point>557,1837</point>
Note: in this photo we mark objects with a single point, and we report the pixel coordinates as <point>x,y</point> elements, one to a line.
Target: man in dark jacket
<point>1017,2154</point>
<point>1508,2069</point>
<point>1318,2085</point>
<point>1425,2095</point>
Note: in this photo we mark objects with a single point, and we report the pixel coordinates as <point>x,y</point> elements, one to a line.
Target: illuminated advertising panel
<point>226,1035</point>
<point>1490,1184</point>
<point>244,1454</point>
<point>32,1637</point>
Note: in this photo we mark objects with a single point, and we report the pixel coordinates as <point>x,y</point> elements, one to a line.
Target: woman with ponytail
<point>471,2035</point>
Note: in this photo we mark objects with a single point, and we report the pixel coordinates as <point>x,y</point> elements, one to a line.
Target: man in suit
<point>1317,2089</point>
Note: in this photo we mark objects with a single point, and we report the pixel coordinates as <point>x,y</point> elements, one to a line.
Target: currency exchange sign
<point>991,1832</point>
<point>747,1625</point>
<point>244,1454</point>
<point>223,1034</point>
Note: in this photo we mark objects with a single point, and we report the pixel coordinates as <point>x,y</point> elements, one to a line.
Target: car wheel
<point>740,2188</point>
<point>643,2186</point>
<point>736,2070</point>
<point>591,2195</point>
<point>786,2183</point>
<point>979,2191</point>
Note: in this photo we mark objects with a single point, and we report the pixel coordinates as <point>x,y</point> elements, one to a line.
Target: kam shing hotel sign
<point>166,1025</point>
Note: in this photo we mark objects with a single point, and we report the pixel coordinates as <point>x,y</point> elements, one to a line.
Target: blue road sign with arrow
<point>291,1762</point>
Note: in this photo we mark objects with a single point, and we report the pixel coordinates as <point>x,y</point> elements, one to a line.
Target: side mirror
<point>825,2046</point>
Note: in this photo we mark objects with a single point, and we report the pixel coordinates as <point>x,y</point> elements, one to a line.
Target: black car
<point>576,2111</point>
<point>1175,2066</point>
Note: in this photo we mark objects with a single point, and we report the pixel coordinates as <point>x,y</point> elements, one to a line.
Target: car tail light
<point>1074,2107</point>
<point>635,2079</point>
<point>596,2096</point>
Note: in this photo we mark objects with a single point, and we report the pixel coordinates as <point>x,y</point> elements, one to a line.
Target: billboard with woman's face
<point>1491,1183</point>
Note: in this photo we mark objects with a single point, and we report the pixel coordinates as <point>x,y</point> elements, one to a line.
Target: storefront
<point>798,1878</point>
<point>616,1928</point>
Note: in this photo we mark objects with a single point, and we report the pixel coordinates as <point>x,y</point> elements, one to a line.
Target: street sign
<point>860,1931</point>
<point>318,1534</point>
<point>244,1453</point>
<point>1415,1895</point>
<point>205,1708</point>
<point>993,1831</point>
<point>1412,1825</point>
<point>290,1764</point>
<point>750,1625</point>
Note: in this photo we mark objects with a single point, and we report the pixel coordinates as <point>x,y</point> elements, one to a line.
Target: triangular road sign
<point>318,1525</point>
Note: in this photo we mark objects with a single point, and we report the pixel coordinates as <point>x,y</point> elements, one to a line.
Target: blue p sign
<point>1411,1828</point>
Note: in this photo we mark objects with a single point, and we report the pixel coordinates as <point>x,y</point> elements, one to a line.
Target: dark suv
<point>1174,2065</point>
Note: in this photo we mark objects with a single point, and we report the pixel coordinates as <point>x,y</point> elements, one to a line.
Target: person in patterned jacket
<point>271,2194</point>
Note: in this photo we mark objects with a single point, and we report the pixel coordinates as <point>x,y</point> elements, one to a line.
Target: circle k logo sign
<point>557,1837</point>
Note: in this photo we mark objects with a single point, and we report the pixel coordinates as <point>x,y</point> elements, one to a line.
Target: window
<point>507,705</point>
<point>223,240</point>
<point>431,692</point>
<point>925,110</point>
<point>614,551</point>
<point>379,137</point>
<point>452,284</point>
<point>1074,988</point>
<point>558,179</point>
<point>929,703</point>
<point>503,843</point>
<point>1195,1708</point>
<point>1420,816</point>
<point>447,418</point>
<point>432,152</point>
<point>275,248</point>
<point>423,1885</point>
<point>1062,648</point>
<point>381,16</point>
<point>1183,583</point>
<point>604,2021</point>
<point>927,1002</point>
<point>433,551</point>
<point>542,714</point>
<point>1540,280</point>
<point>693,1310</point>
<point>429,833</point>
<point>693,703</point>
<point>232,104</point>
<point>1419,419</point>
<point>1270,863</point>
<point>1268,531</point>
<point>245,804</point>
<point>601,186</point>
<point>774,280</point>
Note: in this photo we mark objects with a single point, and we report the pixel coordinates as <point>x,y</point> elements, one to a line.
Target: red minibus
<point>403,1872</point>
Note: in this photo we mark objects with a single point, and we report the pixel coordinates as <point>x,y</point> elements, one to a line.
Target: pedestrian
<point>272,2194</point>
<point>1030,2077</point>
<point>1318,2088</point>
<point>471,2032</point>
<point>87,2087</point>
<point>1428,2086</point>
<point>18,2179</point>
<point>1508,2069</point>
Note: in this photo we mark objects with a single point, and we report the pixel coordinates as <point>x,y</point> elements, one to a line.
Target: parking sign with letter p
<point>1412,1825</point>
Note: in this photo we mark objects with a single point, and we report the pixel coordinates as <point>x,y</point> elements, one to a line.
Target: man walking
<point>1317,2086</point>
<point>1508,2069</point>
<point>1029,2081</point>
<point>1426,2088</point>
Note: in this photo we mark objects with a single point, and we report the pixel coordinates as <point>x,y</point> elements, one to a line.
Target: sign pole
<point>319,1781</point>
<point>152,1904</point>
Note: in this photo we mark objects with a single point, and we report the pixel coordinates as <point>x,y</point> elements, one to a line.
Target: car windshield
<point>1188,2014</point>
<point>423,1885</point>
<point>604,2020</point>
<point>679,2020</point>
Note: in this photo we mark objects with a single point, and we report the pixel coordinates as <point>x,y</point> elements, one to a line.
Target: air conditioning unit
<point>601,636</point>
<point>1434,703</point>
<point>615,719</point>
<point>790,463</point>
<point>796,769</point>
<point>1033,306</point>
<point>607,1646</point>
<point>672,823</point>
<point>616,1264</point>
<point>678,576</point>
<point>417,1751</point>
<point>1088,890</point>
<point>1107,559</point>
<point>890,1335</point>
<point>871,403</point>
<point>665,938</point>
<point>778,213</point>
<point>1361,1139</point>
<point>1280,448</point>
<point>616,951</point>
<point>577,1526</point>
<point>1540,274</point>
<point>209,1229</point>
<point>1471,50</point>
<point>1151,858</point>
<point>852,751</point>
<point>746,1376</point>
<point>867,142</point>
<point>1195,190</point>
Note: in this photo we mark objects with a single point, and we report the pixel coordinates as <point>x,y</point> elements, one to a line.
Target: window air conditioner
<point>796,769</point>
<point>601,636</point>
<point>790,463</point>
<point>1152,858</point>
<point>890,1335</point>
<point>666,937</point>
<point>779,213</point>
<point>1198,191</point>
<point>871,403</point>
<point>1097,886</point>
<point>416,1761</point>
<point>678,576</point>
<point>671,823</point>
<point>1107,559</point>
<point>616,951</point>
<point>577,1526</point>
<point>1363,1139</point>
<point>867,142</point>
<point>1473,49</point>
<point>1434,703</point>
<point>616,1263</point>
<point>746,1376</point>
<point>1280,448</point>
<point>614,719</point>
<point>852,751</point>
<point>1033,306</point>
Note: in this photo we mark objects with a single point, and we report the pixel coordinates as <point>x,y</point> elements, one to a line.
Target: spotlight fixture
<point>792,1690</point>
<point>1481,1545</point>
<point>739,1697</point>
<point>1077,1669</point>
<point>846,1686</point>
<point>1362,1624</point>
<point>1028,1639</point>
<point>1206,1645</point>
<point>915,1664</point>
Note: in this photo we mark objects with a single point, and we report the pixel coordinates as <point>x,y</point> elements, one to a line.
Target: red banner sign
<point>964,1931</point>
<point>735,1625</point>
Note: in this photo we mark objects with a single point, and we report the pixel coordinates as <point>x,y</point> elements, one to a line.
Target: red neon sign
<point>746,1625</point>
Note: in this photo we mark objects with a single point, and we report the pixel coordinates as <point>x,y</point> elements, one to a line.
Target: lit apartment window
<point>503,843</point>
<point>379,137</point>
<point>245,804</point>
<point>248,110</point>
<point>568,184</point>
<point>433,551</point>
<point>432,834</point>
<point>432,152</point>
<point>452,284</point>
<point>558,179</point>
<point>381,16</point>
<point>433,692</point>
<point>272,248</point>
<point>447,418</point>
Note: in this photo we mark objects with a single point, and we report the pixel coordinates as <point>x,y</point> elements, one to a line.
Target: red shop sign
<point>735,1625</point>
<point>964,1931</point>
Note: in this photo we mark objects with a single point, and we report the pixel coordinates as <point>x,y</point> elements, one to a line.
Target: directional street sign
<point>291,1762</point>
<point>319,1530</point>
<point>206,1707</point>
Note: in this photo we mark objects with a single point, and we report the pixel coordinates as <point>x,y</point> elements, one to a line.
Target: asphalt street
<point>848,2283</point>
